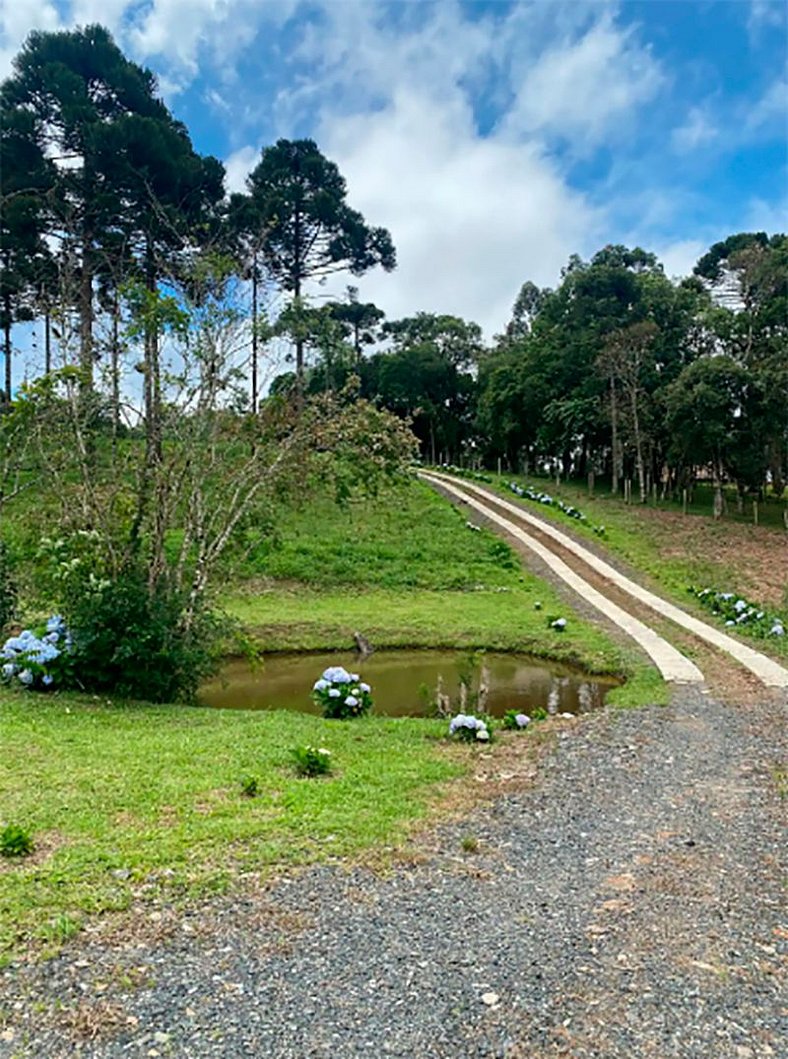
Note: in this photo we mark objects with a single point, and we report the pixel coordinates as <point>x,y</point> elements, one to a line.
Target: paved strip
<point>671,663</point>
<point>766,669</point>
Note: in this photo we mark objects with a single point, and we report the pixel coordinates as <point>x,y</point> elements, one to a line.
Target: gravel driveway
<point>626,905</point>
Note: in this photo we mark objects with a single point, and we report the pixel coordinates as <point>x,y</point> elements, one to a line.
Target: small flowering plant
<point>469,729</point>
<point>515,722</point>
<point>37,658</point>
<point>738,612</point>
<point>311,760</point>
<point>341,694</point>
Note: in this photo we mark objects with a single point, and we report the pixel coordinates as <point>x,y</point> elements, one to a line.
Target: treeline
<point>619,371</point>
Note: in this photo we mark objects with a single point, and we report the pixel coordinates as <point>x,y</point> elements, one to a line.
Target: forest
<point>117,235</point>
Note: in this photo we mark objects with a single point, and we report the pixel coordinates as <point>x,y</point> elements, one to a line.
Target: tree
<point>24,257</point>
<point>360,319</point>
<point>747,274</point>
<point>457,341</point>
<point>310,231</point>
<point>714,418</point>
<point>624,358</point>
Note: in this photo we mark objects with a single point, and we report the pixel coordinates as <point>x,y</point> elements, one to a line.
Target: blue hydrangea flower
<point>26,677</point>
<point>337,675</point>
<point>47,680</point>
<point>351,700</point>
<point>334,693</point>
<point>522,720</point>
<point>321,685</point>
<point>365,688</point>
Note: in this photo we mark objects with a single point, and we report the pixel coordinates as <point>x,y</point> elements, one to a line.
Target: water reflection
<point>404,681</point>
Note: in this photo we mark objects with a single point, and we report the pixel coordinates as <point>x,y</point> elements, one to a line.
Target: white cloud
<point>584,88</point>
<point>472,217</point>
<point>770,108</point>
<point>697,131</point>
<point>17,19</point>
<point>766,14</point>
<point>771,217</point>
<point>238,165</point>
<point>681,256</point>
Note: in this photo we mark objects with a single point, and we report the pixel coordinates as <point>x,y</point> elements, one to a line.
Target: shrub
<point>132,642</point>
<point>15,841</point>
<point>342,695</point>
<point>39,658</point>
<point>469,729</point>
<point>515,722</point>
<point>250,786</point>
<point>311,760</point>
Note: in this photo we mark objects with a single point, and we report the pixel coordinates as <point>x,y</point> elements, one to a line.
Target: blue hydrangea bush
<point>538,497</point>
<point>38,658</point>
<point>469,729</point>
<point>342,695</point>
<point>738,612</point>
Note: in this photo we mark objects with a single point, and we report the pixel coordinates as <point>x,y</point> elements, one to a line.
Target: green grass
<point>406,571</point>
<point>407,537</point>
<point>108,790</point>
<point>300,619</point>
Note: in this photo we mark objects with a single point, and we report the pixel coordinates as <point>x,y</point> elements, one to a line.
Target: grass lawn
<point>134,805</point>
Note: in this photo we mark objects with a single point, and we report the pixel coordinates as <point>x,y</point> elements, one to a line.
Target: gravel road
<point>627,904</point>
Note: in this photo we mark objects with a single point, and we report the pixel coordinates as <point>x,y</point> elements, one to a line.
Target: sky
<point>492,139</point>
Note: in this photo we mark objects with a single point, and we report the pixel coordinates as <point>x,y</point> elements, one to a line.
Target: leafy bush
<point>739,612</point>
<point>515,722</point>
<point>539,713</point>
<point>527,493</point>
<point>342,695</point>
<point>132,642</point>
<point>15,841</point>
<point>311,760</point>
<point>39,658</point>
<point>469,729</point>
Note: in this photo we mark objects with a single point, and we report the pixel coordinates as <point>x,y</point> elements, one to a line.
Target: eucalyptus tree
<point>310,230</point>
<point>747,274</point>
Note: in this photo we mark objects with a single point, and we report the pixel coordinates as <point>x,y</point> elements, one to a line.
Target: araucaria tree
<point>310,230</point>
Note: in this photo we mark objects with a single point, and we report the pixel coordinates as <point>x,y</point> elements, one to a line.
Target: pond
<point>404,682</point>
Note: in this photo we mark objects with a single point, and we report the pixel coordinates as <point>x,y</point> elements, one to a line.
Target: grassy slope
<point>404,569</point>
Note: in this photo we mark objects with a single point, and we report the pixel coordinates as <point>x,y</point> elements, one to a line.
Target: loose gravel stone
<point>625,907</point>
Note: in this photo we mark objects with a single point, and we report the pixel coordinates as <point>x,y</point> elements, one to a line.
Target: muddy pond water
<point>404,682</point>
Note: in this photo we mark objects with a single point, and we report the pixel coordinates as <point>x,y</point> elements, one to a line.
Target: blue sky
<point>493,139</point>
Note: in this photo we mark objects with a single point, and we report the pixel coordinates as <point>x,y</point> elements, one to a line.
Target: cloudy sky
<point>493,139</point>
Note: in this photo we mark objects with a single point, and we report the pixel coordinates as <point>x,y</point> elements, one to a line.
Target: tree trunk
<point>254,333</point>
<point>614,439</point>
<point>115,370</point>
<point>638,449</point>
<point>85,296</point>
<point>718,501</point>
<point>7,349</point>
<point>47,341</point>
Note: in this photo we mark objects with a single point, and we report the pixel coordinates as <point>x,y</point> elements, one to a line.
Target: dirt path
<point>675,625</point>
<point>626,906</point>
